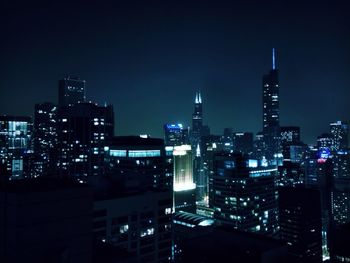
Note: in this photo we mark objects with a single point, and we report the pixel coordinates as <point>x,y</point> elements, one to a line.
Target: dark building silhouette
<point>339,244</point>
<point>301,223</point>
<point>71,90</point>
<point>16,148</point>
<point>45,138</point>
<point>45,221</point>
<point>221,244</point>
<point>243,142</point>
<point>83,129</point>
<point>271,125</point>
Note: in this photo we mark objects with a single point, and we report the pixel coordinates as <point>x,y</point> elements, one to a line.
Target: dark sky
<point>148,58</point>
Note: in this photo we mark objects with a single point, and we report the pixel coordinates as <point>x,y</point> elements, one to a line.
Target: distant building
<point>45,138</point>
<point>83,129</point>
<point>197,122</point>
<point>45,221</point>
<point>244,195</point>
<point>301,223</point>
<point>174,134</point>
<point>15,147</point>
<point>71,90</point>
<point>243,142</point>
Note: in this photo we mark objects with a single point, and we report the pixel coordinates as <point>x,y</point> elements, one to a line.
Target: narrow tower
<point>271,126</point>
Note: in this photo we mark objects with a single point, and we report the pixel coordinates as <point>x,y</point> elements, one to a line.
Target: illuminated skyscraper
<point>184,186</point>
<point>70,91</point>
<point>271,124</point>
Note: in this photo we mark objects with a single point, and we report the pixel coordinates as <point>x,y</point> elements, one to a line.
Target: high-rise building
<point>340,132</point>
<point>300,223</point>
<point>197,122</point>
<point>15,147</point>
<point>271,124</point>
<point>45,138</point>
<point>71,90</point>
<point>244,195</point>
<point>184,186</point>
<point>83,129</point>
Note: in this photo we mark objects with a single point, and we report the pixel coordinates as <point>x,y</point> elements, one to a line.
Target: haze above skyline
<point>149,59</point>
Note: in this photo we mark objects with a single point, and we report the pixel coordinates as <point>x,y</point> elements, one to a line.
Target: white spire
<point>196,101</point>
<point>199,97</point>
<point>198,151</point>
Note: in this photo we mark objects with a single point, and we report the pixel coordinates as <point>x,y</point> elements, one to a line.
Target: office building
<point>71,90</point>
<point>82,131</point>
<point>45,138</point>
<point>244,195</point>
<point>197,122</point>
<point>15,147</point>
<point>140,223</point>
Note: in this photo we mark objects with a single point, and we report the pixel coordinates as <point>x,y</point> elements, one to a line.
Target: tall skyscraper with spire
<point>197,122</point>
<point>271,125</point>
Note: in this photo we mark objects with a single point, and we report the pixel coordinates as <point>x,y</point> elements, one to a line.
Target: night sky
<point>149,58</point>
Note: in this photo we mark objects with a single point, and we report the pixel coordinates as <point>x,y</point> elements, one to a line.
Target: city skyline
<point>150,60</point>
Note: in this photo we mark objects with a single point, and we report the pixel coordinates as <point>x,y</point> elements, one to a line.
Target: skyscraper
<point>45,137</point>
<point>71,90</point>
<point>197,122</point>
<point>271,124</point>
<point>83,129</point>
